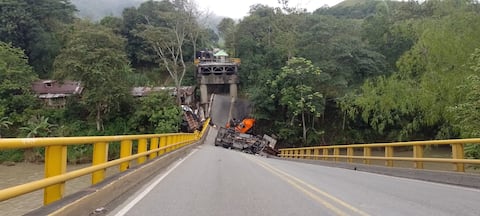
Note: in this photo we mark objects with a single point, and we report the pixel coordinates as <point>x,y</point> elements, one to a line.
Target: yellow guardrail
<point>333,153</point>
<point>149,147</point>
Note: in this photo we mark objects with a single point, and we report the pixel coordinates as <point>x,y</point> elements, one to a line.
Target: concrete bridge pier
<point>204,98</point>
<point>233,90</point>
<point>203,94</point>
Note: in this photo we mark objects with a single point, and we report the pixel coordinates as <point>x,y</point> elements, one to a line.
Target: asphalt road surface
<point>221,109</point>
<point>216,181</point>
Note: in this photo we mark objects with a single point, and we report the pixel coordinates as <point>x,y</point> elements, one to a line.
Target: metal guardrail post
<point>309,153</point>
<point>418,153</point>
<point>153,145</point>
<point>350,154</point>
<point>175,142</point>
<point>325,153</point>
<point>163,143</point>
<point>142,147</point>
<point>55,164</point>
<point>367,152</point>
<point>169,142</point>
<point>458,153</point>
<point>388,154</point>
<point>125,151</point>
<point>183,139</point>
<point>316,153</point>
<point>336,153</point>
<point>100,156</point>
<point>180,139</point>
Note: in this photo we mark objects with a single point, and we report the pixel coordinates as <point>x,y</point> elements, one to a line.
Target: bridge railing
<point>148,147</point>
<point>347,153</point>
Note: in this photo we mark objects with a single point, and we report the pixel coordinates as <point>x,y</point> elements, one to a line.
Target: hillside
<point>96,10</point>
<point>352,9</point>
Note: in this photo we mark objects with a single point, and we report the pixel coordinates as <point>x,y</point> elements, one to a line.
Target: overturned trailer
<point>253,144</point>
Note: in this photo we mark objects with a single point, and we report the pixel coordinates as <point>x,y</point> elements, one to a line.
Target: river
<point>26,172</point>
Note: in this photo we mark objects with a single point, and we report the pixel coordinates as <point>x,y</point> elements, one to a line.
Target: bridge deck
<point>217,181</point>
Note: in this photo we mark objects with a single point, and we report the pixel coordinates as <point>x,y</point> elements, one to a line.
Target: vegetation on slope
<point>358,72</point>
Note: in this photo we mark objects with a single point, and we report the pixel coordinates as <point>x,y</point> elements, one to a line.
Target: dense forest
<point>359,72</point>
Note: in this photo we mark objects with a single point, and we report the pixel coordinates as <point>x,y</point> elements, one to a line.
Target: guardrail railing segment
<point>149,147</point>
<point>418,158</point>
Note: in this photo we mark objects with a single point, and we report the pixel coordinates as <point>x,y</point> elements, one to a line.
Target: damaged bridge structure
<point>185,174</point>
<point>182,174</point>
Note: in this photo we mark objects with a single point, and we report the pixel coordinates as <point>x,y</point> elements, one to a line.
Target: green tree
<point>95,56</point>
<point>156,113</point>
<point>297,85</point>
<point>115,23</point>
<point>413,103</point>
<point>335,45</point>
<point>268,37</point>
<point>35,26</point>
<point>37,126</point>
<point>351,9</point>
<point>287,27</point>
<point>465,116</point>
<point>392,28</point>
<point>226,29</point>
<point>255,43</point>
<point>168,38</point>
<point>16,77</point>
<point>388,105</point>
<point>196,29</point>
<point>139,51</point>
<point>4,123</point>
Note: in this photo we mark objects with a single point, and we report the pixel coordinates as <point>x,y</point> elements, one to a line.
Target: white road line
<point>147,190</point>
<point>405,179</point>
<point>303,186</point>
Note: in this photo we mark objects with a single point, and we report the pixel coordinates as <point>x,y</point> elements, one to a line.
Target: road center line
<point>325,194</point>
<point>147,190</point>
<point>310,194</point>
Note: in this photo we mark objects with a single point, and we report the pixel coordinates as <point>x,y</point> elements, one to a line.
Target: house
<point>54,93</point>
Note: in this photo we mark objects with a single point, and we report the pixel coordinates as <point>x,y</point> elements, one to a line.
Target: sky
<point>239,8</point>
<point>236,9</point>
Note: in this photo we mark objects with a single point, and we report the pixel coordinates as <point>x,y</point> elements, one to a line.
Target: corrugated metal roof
<point>53,87</point>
